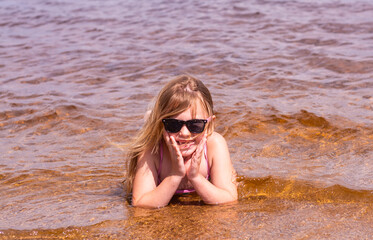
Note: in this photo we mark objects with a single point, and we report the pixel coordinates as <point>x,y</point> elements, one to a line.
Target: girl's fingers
<point>196,159</point>
<point>171,143</point>
<point>167,138</point>
<point>201,147</point>
<point>175,147</point>
<point>177,158</point>
<point>174,150</point>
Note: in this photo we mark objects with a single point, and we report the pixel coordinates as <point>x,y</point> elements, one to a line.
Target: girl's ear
<point>213,117</point>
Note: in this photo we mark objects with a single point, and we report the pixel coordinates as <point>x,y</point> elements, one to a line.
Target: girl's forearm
<point>160,196</point>
<point>211,194</point>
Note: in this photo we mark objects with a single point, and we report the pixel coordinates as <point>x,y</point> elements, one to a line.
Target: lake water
<point>292,83</point>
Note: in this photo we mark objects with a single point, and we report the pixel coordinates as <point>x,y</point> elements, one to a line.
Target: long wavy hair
<point>178,95</point>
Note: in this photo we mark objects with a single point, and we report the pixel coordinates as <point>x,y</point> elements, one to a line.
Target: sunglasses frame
<point>186,123</point>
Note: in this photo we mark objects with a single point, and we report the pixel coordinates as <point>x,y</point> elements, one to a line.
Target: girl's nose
<point>184,131</point>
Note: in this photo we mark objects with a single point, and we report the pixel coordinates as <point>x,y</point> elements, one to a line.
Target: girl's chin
<point>187,152</point>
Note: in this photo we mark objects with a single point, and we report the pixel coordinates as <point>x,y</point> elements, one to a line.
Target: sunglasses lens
<point>196,126</point>
<point>172,125</point>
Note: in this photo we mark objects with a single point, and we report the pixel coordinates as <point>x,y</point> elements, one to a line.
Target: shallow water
<point>292,83</point>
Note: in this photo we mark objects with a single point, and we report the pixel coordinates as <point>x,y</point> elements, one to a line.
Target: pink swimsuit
<point>160,167</point>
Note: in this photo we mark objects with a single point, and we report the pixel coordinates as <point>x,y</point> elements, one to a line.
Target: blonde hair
<point>178,95</point>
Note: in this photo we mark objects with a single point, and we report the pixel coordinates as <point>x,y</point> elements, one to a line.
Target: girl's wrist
<point>172,181</point>
<point>178,173</point>
<point>176,178</point>
<point>196,179</point>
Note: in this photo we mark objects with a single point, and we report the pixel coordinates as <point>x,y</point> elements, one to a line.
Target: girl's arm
<point>145,192</point>
<point>222,188</point>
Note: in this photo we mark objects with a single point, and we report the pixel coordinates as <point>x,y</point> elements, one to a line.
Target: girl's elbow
<point>136,202</point>
<point>142,204</point>
<point>226,201</point>
<point>229,198</point>
<point>233,196</point>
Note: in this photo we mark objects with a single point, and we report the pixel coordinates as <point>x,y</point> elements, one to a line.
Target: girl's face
<point>187,141</point>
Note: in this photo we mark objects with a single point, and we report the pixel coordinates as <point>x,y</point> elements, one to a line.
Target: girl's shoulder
<point>216,139</point>
<point>150,156</point>
<point>217,150</point>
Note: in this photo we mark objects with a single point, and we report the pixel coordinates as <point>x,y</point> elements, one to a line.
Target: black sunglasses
<point>194,125</point>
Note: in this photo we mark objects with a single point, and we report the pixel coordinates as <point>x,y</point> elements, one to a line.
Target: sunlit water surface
<point>292,83</point>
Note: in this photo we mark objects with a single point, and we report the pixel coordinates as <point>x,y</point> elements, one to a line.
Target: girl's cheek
<point>171,134</point>
<point>199,138</point>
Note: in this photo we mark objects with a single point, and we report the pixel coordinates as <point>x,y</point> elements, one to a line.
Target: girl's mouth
<point>184,143</point>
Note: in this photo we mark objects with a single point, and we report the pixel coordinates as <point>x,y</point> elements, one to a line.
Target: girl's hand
<point>195,161</point>
<point>177,159</point>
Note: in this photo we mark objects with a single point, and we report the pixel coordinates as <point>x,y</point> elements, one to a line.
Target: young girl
<point>177,150</point>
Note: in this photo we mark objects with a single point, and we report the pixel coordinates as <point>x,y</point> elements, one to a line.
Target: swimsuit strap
<point>207,161</point>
